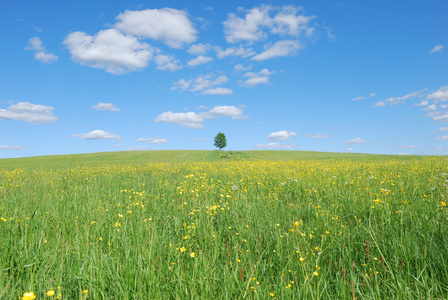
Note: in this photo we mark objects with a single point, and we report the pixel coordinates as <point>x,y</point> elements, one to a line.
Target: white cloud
<point>109,50</point>
<point>199,60</point>
<point>395,100</point>
<point>372,95</point>
<point>168,25</point>
<point>97,135</point>
<point>141,148</point>
<point>233,51</point>
<point>407,146</point>
<point>288,22</point>
<point>442,129</point>
<point>199,49</point>
<point>348,149</point>
<point>441,138</point>
<point>443,106</point>
<point>192,120</point>
<point>182,85</point>
<point>281,135</point>
<point>423,103</point>
<point>279,49</point>
<point>255,24</point>
<point>9,147</point>
<point>320,136</point>
<point>261,77</point>
<point>379,104</point>
<point>223,111</point>
<point>105,107</point>
<point>355,141</point>
<point>441,149</point>
<point>41,55</point>
<point>240,67</point>
<point>199,140</point>
<point>28,112</point>
<point>437,48</point>
<point>442,117</point>
<point>248,29</point>
<point>167,63</point>
<point>439,95</point>
<point>430,107</point>
<point>153,140</point>
<point>218,91</point>
<point>275,146</point>
<point>206,84</point>
<point>358,98</point>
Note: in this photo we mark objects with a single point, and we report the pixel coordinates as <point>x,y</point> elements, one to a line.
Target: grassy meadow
<point>224,225</point>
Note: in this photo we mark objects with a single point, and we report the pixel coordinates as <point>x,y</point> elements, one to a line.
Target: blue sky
<point>339,76</point>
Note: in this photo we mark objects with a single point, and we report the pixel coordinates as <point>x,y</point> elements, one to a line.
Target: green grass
<point>195,225</point>
<point>154,156</point>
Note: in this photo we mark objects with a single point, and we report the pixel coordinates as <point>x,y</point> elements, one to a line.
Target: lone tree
<point>220,140</point>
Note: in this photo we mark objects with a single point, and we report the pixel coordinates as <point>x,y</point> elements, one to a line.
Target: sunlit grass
<point>231,228</point>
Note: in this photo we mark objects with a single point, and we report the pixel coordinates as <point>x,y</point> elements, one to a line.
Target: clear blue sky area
<point>339,76</point>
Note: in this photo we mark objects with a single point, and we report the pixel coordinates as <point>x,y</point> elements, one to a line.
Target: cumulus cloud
<point>355,141</point>
<point>279,49</point>
<point>199,60</point>
<point>240,67</point>
<point>218,91</point>
<point>254,79</point>
<point>41,54</point>
<point>168,25</point>
<point>358,98</point>
<point>192,120</point>
<point>439,95</point>
<point>140,148</point>
<point>441,148</point>
<point>441,138</point>
<point>234,51</point>
<point>28,112</point>
<point>206,84</point>
<point>9,147</point>
<point>200,140</point>
<point>199,49</point>
<point>259,21</point>
<point>110,50</point>
<point>423,103</point>
<point>105,107</point>
<point>407,146</point>
<point>401,99</point>
<point>167,63</point>
<point>443,116</point>
<point>275,146</point>
<point>379,104</point>
<point>430,107</point>
<point>395,100</point>
<point>442,129</point>
<point>281,135</point>
<point>97,135</point>
<point>153,140</point>
<point>320,136</point>
<point>437,48</point>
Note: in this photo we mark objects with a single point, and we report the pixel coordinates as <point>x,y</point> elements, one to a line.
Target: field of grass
<point>253,224</point>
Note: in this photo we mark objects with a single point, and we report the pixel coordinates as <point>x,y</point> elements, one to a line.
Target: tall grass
<point>234,229</point>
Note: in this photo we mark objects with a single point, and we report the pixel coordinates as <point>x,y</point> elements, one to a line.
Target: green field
<point>224,225</point>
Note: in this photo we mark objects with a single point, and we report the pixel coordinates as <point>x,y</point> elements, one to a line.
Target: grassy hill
<point>153,156</point>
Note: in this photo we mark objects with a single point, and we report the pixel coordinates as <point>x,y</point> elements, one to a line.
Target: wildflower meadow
<point>239,226</point>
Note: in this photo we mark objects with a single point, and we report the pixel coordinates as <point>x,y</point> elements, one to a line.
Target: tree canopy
<point>220,141</point>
